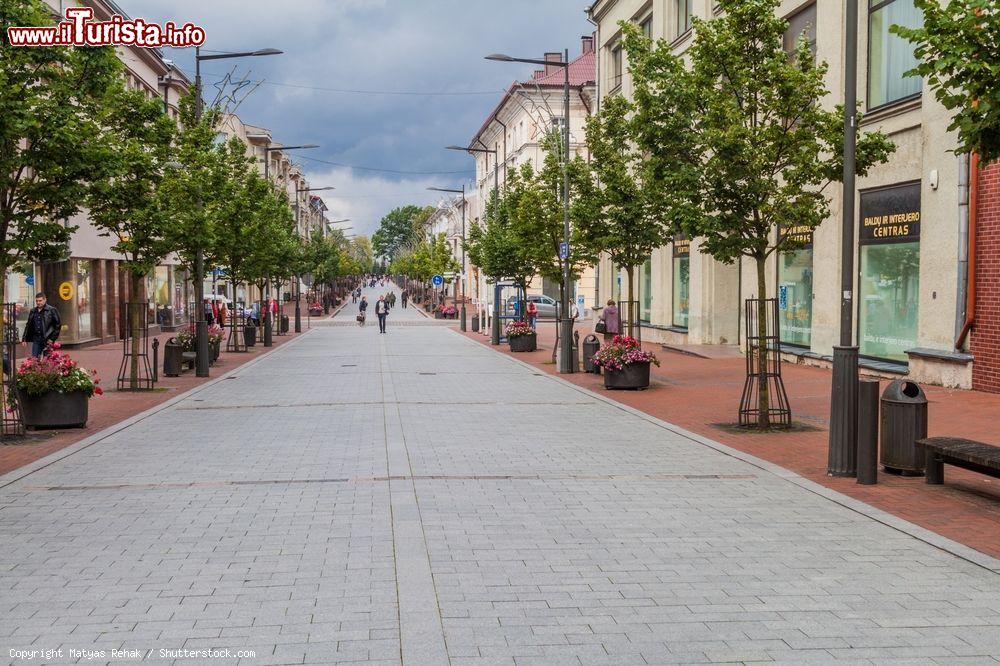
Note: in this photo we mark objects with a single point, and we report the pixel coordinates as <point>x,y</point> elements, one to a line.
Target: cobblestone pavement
<point>417,497</point>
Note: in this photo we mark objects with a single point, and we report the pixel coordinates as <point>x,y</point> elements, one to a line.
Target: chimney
<point>552,57</point>
<point>538,73</point>
<point>587,44</point>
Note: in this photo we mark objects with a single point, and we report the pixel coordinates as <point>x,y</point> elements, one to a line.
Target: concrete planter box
<point>54,410</point>
<point>633,376</point>
<point>524,343</point>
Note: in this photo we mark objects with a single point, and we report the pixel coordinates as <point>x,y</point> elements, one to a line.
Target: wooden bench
<point>969,454</point>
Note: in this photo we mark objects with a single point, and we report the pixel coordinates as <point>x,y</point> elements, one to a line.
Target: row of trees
<point>729,144</point>
<point>74,137</point>
<point>427,258</point>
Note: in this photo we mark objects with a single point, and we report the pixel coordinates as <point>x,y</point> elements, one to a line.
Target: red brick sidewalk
<point>702,395</point>
<point>115,406</point>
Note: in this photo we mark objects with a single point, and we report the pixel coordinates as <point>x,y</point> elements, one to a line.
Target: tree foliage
<point>494,245</point>
<point>737,140</point>
<point>959,51</point>
<point>400,229</point>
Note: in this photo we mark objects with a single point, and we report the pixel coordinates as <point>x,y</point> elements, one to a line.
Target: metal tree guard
<point>144,378</point>
<point>236,340</point>
<point>12,425</point>
<point>629,318</point>
<point>764,349</point>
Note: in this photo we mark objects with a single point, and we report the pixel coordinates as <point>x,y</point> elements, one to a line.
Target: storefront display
<point>681,282</point>
<point>888,293</point>
<point>795,288</point>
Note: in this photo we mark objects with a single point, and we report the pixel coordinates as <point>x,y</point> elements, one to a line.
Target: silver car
<point>546,305</point>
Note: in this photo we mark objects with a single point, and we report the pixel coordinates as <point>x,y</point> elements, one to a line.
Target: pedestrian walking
<point>402,297</point>
<point>392,299</point>
<point>362,310</point>
<point>223,313</point>
<point>610,323</point>
<point>43,327</point>
<point>532,314</point>
<point>382,312</point>
<point>209,312</point>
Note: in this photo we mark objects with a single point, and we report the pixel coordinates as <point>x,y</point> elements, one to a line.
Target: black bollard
<point>156,360</point>
<point>867,460</point>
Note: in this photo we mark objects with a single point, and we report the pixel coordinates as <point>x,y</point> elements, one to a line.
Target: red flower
<point>98,390</point>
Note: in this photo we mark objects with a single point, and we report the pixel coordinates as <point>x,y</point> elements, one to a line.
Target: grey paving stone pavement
<point>417,498</point>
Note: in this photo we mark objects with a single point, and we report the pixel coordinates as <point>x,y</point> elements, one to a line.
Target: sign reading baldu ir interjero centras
<point>890,215</point>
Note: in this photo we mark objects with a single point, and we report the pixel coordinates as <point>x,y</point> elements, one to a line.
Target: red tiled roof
<point>582,72</point>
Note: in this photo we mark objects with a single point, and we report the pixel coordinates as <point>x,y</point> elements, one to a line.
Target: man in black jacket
<point>43,326</point>
<point>382,311</point>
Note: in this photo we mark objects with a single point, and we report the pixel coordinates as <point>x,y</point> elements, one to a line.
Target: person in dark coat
<point>43,327</point>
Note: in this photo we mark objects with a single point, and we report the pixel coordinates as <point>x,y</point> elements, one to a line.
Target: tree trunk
<point>630,270</point>
<point>3,327</point>
<point>763,395</point>
<point>135,280</point>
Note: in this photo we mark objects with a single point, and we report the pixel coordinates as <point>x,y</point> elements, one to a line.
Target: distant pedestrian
<point>392,299</point>
<point>209,312</point>
<point>43,327</point>
<point>362,311</point>
<point>532,312</point>
<point>223,313</point>
<point>609,321</point>
<point>382,312</point>
<point>403,297</point>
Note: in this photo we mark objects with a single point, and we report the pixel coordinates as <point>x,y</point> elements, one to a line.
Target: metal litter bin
<point>591,345</point>
<point>904,421</point>
<point>284,323</point>
<point>250,335</point>
<point>172,352</point>
<point>475,324</point>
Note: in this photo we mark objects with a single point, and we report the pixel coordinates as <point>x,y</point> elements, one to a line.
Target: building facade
<point>909,292</point>
<point>512,135</point>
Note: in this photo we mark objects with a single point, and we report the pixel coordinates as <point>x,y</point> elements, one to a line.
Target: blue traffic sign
<point>563,250</point>
<point>437,280</point>
<point>29,280</point>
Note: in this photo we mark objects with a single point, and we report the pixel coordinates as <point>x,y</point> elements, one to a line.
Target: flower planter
<point>632,376</point>
<point>54,409</point>
<point>524,343</point>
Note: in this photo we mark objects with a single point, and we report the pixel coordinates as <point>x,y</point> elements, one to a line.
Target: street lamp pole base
<point>567,363</point>
<point>462,318</point>
<point>843,453</point>
<point>201,348</point>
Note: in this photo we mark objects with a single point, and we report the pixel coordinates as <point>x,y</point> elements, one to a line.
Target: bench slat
<point>969,450</point>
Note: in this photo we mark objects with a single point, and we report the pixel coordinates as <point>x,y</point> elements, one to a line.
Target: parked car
<point>546,305</point>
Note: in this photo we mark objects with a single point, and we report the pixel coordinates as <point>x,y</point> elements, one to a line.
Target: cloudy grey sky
<point>407,46</point>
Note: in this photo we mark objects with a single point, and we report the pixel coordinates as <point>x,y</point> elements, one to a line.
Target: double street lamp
<point>566,361</point>
<point>201,325</point>
<point>298,278</point>
<point>268,149</point>
<point>462,275</point>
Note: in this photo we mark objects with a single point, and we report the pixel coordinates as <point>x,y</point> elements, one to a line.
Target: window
<point>646,291</point>
<point>890,271</point>
<point>802,22</point>
<point>647,27</point>
<point>890,56</point>
<point>616,66</point>
<point>683,14</point>
<point>681,282</point>
<point>795,290</point>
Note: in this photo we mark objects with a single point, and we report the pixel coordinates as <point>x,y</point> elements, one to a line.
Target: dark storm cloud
<point>412,46</point>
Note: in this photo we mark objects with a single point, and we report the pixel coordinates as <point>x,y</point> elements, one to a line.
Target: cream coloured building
<point>909,285</point>
<point>513,133</point>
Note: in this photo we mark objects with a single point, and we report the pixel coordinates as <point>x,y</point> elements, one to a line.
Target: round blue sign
<point>437,280</point>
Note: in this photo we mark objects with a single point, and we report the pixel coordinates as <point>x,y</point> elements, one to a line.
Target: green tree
<point>50,101</point>
<point>124,198</point>
<point>399,229</point>
<point>538,219</point>
<point>959,57</point>
<point>738,140</point>
<point>616,214</point>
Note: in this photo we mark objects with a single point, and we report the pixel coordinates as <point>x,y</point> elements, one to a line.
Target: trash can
<point>904,421</point>
<point>475,324</point>
<point>172,351</point>
<point>250,335</point>
<point>284,323</point>
<point>591,345</point>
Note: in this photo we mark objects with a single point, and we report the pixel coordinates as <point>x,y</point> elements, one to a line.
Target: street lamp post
<point>842,454</point>
<point>201,326</point>
<point>268,149</point>
<point>495,327</point>
<point>462,316</point>
<point>566,361</point>
<point>298,278</point>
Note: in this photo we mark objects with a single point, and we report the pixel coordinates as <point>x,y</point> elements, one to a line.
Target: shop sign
<point>800,235</point>
<point>890,215</point>
<point>66,291</point>
<point>682,247</point>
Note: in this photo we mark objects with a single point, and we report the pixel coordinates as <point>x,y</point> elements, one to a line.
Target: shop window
<point>681,282</point>
<point>795,296</point>
<point>890,56</point>
<point>888,293</point>
<point>646,291</point>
